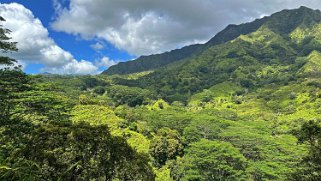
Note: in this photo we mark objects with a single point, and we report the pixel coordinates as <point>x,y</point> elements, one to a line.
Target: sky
<point>88,36</point>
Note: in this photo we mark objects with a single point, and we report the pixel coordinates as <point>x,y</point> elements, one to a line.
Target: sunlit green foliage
<point>211,160</point>
<point>73,151</point>
<point>132,96</point>
<point>166,145</point>
<point>12,83</point>
<point>235,110</point>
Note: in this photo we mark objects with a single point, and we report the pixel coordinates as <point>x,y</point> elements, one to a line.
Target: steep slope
<point>282,22</point>
<point>270,43</point>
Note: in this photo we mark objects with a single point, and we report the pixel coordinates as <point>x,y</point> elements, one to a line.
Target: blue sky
<point>88,36</point>
<point>78,47</point>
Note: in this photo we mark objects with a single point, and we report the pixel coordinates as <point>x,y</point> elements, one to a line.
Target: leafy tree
<point>132,96</point>
<point>12,81</point>
<point>165,146</point>
<point>6,45</point>
<point>309,168</point>
<point>62,150</point>
<point>43,105</point>
<point>210,160</point>
<point>21,98</point>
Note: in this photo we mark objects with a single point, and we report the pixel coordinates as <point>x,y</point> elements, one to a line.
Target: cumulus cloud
<point>106,62</point>
<point>146,27</point>
<point>35,45</point>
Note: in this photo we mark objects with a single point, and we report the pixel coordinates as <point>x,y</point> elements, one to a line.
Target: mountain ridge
<point>302,16</point>
<point>273,44</point>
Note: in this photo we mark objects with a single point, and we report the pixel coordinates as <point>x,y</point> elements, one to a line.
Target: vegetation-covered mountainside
<point>275,44</point>
<point>282,22</point>
<point>245,107</point>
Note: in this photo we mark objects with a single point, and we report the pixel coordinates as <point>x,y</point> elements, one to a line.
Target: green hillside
<point>283,23</point>
<point>243,60</point>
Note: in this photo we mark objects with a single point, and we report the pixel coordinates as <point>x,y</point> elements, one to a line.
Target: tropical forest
<point>245,105</point>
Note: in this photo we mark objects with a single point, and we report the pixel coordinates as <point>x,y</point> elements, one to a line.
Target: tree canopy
<point>6,45</point>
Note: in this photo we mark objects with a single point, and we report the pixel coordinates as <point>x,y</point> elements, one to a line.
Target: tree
<point>68,151</point>
<point>202,128</point>
<point>6,45</point>
<point>310,166</point>
<point>210,160</point>
<point>132,96</point>
<point>12,81</point>
<point>42,105</point>
<point>166,146</point>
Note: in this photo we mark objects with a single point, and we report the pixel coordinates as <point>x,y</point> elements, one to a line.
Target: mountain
<point>282,22</point>
<point>282,42</point>
<point>152,62</point>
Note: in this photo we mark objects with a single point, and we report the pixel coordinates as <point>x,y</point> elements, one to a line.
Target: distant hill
<point>273,49</point>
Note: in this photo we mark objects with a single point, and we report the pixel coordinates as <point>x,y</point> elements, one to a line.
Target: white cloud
<point>151,26</point>
<point>97,46</point>
<point>73,67</point>
<point>106,62</point>
<point>35,45</point>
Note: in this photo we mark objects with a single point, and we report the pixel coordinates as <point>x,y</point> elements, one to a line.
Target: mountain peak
<point>283,22</point>
<point>287,20</point>
<point>305,8</point>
